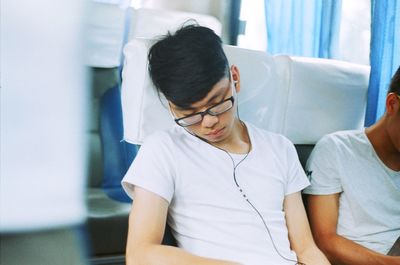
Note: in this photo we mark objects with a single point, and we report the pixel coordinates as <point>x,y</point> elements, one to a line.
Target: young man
<point>354,206</point>
<point>230,190</point>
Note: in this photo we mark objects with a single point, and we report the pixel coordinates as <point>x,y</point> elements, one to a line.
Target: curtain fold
<point>303,27</point>
<point>385,54</point>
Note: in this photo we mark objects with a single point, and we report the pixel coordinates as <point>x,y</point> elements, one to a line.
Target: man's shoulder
<point>342,138</point>
<point>163,137</point>
<point>340,145</point>
<point>331,159</point>
<point>270,138</point>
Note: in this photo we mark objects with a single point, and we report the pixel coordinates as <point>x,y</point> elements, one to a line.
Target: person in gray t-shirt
<point>354,197</point>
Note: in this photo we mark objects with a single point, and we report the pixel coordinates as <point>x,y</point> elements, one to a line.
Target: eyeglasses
<point>215,110</point>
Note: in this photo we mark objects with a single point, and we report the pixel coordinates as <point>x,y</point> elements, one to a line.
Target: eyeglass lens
<point>214,111</point>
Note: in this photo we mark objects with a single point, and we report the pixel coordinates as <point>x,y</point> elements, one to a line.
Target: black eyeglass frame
<point>207,111</point>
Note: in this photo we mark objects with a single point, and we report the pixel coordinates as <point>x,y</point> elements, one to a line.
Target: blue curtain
<point>303,27</point>
<point>385,54</point>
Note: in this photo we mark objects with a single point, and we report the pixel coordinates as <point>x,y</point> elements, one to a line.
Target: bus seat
<point>117,154</point>
<point>108,204</point>
<point>107,223</point>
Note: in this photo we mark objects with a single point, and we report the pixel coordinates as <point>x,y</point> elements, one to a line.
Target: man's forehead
<point>218,89</point>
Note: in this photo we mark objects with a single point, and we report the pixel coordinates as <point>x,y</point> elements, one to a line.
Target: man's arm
<point>300,236</point>
<point>146,229</point>
<point>323,213</point>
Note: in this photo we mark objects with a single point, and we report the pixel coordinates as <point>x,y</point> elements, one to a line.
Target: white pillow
<point>302,98</point>
<point>142,110</point>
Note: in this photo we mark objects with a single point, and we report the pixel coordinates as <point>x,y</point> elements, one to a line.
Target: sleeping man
<point>231,191</point>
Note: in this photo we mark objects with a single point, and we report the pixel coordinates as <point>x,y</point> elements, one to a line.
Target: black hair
<point>395,83</point>
<point>184,66</point>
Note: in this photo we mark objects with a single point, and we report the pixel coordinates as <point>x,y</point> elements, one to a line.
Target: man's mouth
<point>215,133</point>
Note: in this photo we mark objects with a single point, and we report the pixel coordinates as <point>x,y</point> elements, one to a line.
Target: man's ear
<point>235,77</point>
<point>392,104</point>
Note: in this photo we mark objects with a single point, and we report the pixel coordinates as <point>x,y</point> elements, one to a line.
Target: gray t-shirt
<point>369,206</point>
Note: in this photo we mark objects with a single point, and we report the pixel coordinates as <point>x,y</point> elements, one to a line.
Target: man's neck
<point>383,145</point>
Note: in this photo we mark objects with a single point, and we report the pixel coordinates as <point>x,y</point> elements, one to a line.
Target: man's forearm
<point>165,255</point>
<point>341,251</point>
<point>312,256</point>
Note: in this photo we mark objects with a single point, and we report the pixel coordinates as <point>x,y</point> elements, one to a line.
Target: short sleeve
<point>297,179</point>
<point>323,169</point>
<point>153,168</point>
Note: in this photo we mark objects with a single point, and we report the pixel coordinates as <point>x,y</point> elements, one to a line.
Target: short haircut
<point>185,66</point>
<point>395,83</point>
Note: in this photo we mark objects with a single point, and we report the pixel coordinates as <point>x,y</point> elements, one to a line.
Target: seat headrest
<point>302,98</point>
<point>105,32</point>
<point>324,96</point>
<point>151,23</point>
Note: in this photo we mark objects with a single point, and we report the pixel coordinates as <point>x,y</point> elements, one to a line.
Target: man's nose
<point>209,120</point>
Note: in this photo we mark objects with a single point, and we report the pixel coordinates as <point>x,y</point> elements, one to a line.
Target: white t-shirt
<point>369,206</point>
<point>207,213</point>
